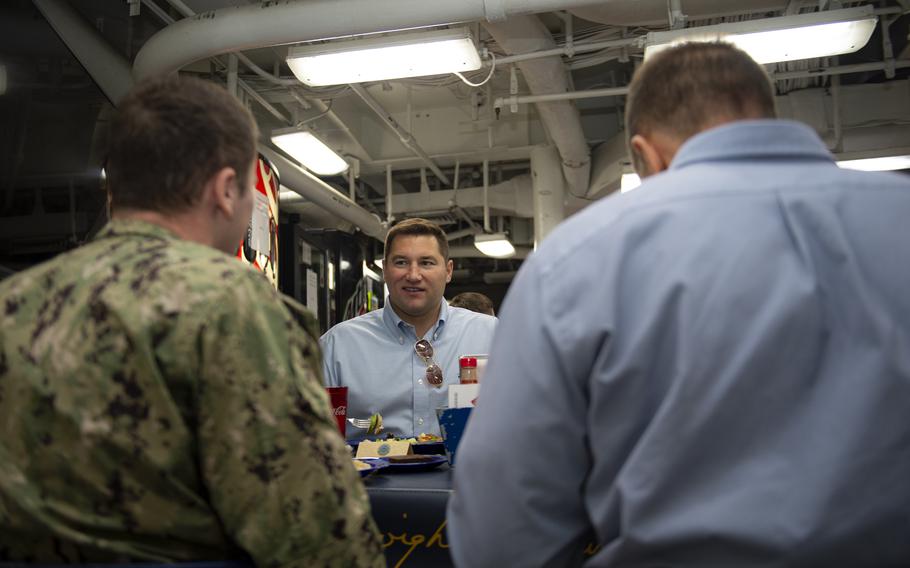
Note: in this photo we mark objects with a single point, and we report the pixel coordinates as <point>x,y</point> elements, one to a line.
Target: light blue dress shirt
<point>711,369</point>
<point>373,355</point>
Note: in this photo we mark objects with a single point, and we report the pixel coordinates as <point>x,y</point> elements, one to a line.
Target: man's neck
<point>422,324</point>
<point>186,225</point>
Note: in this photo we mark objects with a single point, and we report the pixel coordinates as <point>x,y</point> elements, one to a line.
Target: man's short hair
<point>417,226</point>
<point>474,301</point>
<point>170,136</point>
<point>686,89</point>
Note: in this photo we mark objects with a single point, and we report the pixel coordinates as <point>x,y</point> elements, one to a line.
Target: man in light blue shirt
<point>376,355</point>
<point>711,370</point>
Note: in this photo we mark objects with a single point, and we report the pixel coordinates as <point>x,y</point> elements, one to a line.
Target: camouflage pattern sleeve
<point>277,470</point>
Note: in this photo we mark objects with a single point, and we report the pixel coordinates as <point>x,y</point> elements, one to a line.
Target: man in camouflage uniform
<point>159,400</point>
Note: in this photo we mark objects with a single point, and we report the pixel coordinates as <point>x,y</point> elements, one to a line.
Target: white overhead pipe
<point>560,118</point>
<point>104,64</point>
<point>280,22</point>
<point>511,197</point>
<point>324,195</point>
<point>566,96</point>
<point>486,196</point>
<point>388,194</point>
<point>288,83</point>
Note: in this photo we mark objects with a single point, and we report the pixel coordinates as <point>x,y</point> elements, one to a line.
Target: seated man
<point>474,301</point>
<point>735,392</point>
<point>158,400</point>
<point>397,361</point>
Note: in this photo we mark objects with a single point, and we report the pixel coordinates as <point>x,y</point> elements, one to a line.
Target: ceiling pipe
<point>511,197</point>
<point>281,22</point>
<point>500,102</point>
<point>568,50</point>
<point>107,67</point>
<point>655,12</point>
<point>561,119</point>
<point>406,138</point>
<point>317,191</point>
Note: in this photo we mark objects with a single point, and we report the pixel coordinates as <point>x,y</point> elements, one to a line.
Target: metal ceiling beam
<point>406,138</point>
<point>107,67</point>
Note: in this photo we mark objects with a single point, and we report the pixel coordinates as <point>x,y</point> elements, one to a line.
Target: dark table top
<point>437,480</point>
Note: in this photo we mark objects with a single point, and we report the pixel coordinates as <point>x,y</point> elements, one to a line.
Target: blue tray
<point>375,465</point>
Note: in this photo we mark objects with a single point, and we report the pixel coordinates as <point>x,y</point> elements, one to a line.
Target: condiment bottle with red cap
<point>467,372</point>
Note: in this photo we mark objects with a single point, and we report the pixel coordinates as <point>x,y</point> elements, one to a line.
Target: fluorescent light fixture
<point>787,38</point>
<point>494,244</point>
<point>883,164</point>
<point>310,151</point>
<point>628,182</point>
<point>407,54</point>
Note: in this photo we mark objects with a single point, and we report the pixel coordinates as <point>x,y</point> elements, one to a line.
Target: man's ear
<point>450,265</point>
<point>651,155</point>
<point>223,190</point>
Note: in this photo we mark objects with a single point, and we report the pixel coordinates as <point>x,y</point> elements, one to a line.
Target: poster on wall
<point>260,246</point>
<point>312,287</point>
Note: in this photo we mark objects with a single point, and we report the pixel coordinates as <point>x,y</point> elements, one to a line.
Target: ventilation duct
<point>275,23</point>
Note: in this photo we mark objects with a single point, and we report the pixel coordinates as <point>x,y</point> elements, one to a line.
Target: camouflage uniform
<point>159,402</point>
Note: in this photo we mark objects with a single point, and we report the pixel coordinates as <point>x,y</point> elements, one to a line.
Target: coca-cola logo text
<point>341,410</point>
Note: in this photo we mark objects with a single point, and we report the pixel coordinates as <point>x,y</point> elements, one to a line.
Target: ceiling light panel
<point>310,151</point>
<point>883,164</point>
<point>496,245</point>
<point>409,54</point>
<point>788,38</point>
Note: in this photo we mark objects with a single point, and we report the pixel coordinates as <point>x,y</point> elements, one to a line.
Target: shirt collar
<point>396,324</point>
<point>751,140</point>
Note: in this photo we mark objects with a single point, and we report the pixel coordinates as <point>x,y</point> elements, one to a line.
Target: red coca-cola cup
<point>338,398</point>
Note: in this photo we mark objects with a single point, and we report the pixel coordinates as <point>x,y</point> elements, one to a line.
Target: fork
<point>359,422</point>
<point>366,422</point>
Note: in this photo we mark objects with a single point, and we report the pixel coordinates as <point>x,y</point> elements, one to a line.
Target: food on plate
<point>389,437</point>
<point>360,465</point>
<point>428,438</point>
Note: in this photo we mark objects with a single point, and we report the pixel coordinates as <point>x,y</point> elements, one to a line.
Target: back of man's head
<point>689,88</point>
<point>170,135</point>
<point>474,301</point>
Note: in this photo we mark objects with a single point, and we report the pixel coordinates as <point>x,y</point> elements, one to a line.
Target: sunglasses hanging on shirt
<point>425,351</point>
